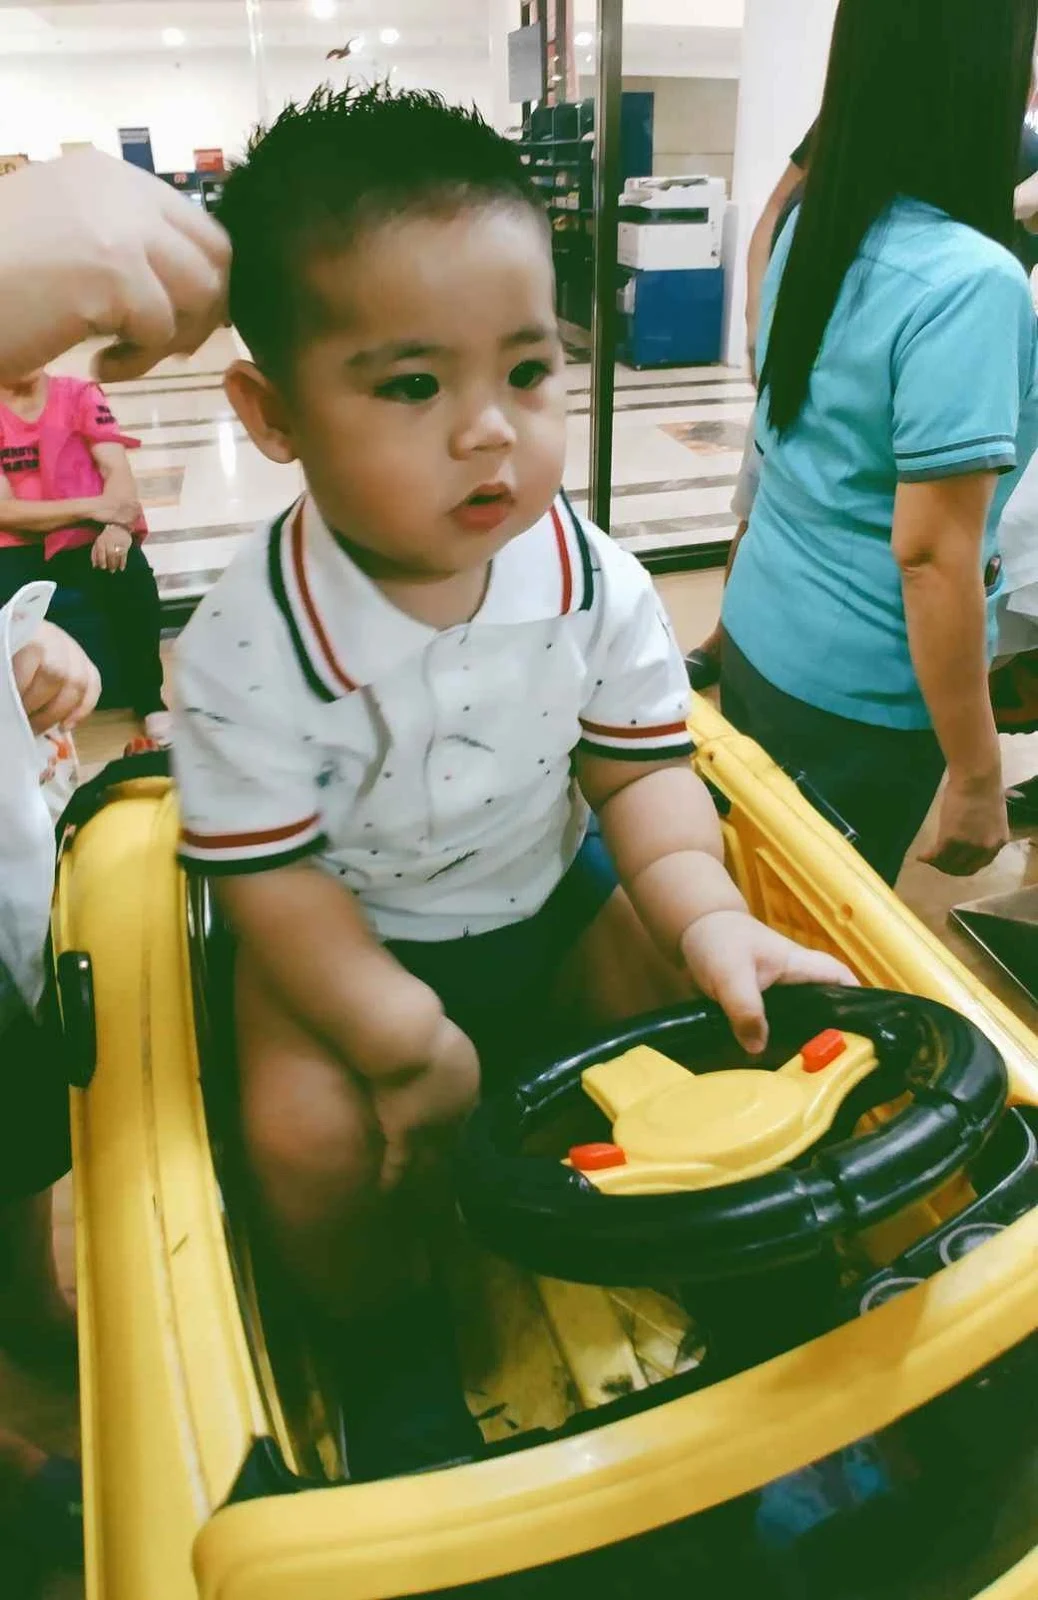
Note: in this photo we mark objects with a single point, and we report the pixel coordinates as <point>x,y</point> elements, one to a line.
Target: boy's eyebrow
<point>417,350</point>
<point>537,333</point>
<point>386,354</point>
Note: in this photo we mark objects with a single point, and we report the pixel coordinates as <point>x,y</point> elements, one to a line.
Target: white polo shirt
<point>430,771</point>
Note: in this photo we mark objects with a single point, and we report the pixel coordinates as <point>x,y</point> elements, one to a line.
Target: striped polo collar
<point>345,632</point>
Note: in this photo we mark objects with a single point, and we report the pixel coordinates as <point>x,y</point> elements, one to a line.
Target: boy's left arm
<point>657,817</point>
<point>662,830</point>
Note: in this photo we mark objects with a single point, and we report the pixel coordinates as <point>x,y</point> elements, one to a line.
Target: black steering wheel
<point>548,1217</point>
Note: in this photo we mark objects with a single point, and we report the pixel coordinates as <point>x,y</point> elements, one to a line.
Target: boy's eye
<point>528,374</point>
<point>412,388</point>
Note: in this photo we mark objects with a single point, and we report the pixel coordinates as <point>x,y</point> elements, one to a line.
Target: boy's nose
<point>489,429</point>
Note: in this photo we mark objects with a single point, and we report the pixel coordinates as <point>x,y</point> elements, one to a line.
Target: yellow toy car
<point>727,1332</point>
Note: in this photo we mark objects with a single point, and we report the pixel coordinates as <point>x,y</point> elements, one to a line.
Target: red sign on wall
<point>209,161</point>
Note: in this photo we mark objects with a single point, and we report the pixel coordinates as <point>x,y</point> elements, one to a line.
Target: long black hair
<point>924,98</point>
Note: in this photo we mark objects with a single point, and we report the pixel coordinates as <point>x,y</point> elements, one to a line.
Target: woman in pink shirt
<point>69,512</point>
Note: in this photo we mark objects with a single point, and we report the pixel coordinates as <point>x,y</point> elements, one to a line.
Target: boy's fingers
<point>814,966</point>
<point>739,995</point>
<point>394,1162</point>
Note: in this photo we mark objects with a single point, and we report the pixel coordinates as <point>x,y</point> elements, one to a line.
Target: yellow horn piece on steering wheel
<point>678,1130</point>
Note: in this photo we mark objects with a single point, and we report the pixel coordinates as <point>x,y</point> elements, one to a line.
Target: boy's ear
<point>259,404</point>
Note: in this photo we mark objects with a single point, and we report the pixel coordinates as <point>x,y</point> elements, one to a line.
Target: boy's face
<point>430,417</point>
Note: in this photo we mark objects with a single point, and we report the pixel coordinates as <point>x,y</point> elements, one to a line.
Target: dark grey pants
<point>882,781</point>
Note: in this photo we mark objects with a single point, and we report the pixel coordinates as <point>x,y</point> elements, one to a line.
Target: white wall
<point>785,51</point>
<point>694,126</point>
<point>204,101</point>
<point>198,100</point>
<point>693,123</point>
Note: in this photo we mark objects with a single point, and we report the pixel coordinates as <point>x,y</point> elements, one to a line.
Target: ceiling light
<point>582,40</point>
<point>172,37</point>
<point>323,10</point>
<point>389,36</point>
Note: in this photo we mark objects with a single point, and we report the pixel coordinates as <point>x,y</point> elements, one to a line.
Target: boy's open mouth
<point>485,509</point>
<point>489,494</point>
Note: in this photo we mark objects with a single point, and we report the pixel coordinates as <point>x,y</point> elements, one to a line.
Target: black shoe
<point>1022,804</point>
<point>704,670</point>
<point>403,1401</point>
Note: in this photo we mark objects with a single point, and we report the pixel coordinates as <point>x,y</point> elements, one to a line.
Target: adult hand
<point>57,682</point>
<point>734,959</point>
<point>417,1111</point>
<point>90,245</point>
<point>110,550</point>
<point>974,826</point>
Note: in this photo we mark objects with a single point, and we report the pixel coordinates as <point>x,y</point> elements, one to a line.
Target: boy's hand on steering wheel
<point>111,549</point>
<point>734,959</point>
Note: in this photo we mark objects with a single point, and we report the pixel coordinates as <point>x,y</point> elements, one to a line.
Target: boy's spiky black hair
<point>324,172</point>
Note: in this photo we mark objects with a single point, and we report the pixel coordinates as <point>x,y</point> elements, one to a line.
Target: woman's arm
<point>1025,203</point>
<point>761,243</point>
<point>29,517</point>
<point>120,492</point>
<point>938,540</point>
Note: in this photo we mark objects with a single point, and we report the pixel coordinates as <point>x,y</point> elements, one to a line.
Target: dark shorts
<point>35,1148</point>
<point>880,781</point>
<point>497,986</point>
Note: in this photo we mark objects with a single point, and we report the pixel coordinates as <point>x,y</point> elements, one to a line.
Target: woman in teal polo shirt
<point>899,405</point>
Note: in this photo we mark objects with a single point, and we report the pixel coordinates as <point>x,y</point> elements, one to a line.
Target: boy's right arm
<point>251,805</point>
<point>310,941</point>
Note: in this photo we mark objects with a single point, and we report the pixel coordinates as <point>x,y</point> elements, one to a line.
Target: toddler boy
<point>403,705</point>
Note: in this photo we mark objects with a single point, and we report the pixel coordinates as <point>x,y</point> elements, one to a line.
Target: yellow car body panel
<point>173,1395</point>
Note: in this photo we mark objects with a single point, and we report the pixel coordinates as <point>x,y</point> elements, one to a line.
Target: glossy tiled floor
<point>677,442</point>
